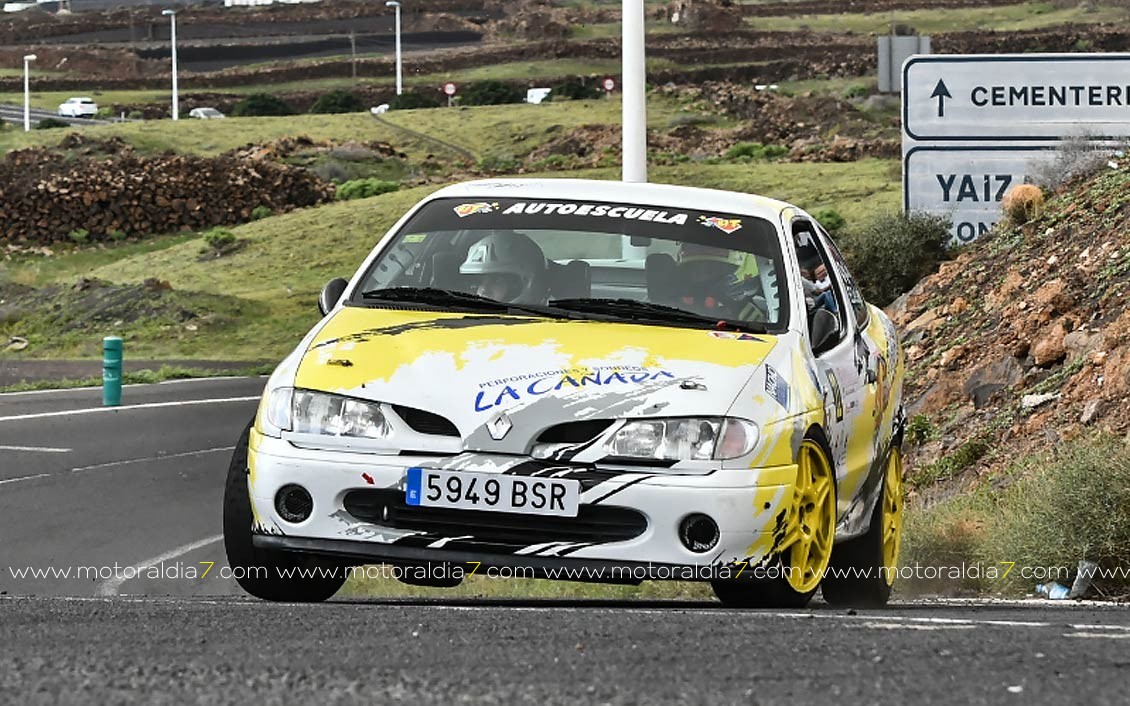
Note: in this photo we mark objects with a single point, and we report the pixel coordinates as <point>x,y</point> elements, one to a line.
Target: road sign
<point>967,183</point>
<point>608,84</point>
<point>1022,97</point>
<point>449,88</point>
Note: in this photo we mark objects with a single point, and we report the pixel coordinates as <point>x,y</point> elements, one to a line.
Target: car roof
<point>643,194</point>
<point>80,99</point>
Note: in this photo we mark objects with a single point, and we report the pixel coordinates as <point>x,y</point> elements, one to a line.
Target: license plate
<point>493,492</point>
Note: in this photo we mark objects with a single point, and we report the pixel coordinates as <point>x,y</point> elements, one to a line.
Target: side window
<point>818,275</point>
<point>855,297</point>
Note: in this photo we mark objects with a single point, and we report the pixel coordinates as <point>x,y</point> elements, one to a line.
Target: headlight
<point>689,439</point>
<point>309,412</point>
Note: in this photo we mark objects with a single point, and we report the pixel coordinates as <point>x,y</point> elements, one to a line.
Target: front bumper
<point>748,505</point>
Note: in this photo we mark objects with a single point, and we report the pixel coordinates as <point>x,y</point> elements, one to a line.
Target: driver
<point>508,267</point>
<point>720,282</point>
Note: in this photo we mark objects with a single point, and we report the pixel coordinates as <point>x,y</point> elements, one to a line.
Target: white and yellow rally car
<point>584,380</point>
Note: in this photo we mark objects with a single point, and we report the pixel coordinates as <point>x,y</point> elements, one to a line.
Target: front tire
<point>262,572</point>
<point>864,568</point>
<point>810,533</point>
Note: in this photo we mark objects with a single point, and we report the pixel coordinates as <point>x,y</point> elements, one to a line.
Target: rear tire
<point>808,540</point>
<point>863,569</point>
<point>260,568</point>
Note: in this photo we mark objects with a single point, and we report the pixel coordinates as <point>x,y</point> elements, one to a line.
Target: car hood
<point>470,368</point>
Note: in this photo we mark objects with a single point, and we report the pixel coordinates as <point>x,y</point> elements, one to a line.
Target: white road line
<point>1097,634</point>
<point>41,449</point>
<point>111,464</point>
<point>126,462</point>
<point>110,587</point>
<point>22,478</point>
<point>122,408</point>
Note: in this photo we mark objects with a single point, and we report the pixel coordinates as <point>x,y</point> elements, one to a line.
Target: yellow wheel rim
<point>812,523</point>
<point>891,517</point>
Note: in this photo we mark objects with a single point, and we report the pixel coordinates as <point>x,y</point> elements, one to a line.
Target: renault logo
<point>499,426</point>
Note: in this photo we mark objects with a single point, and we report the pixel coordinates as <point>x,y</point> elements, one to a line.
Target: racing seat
<point>572,280</point>
<point>445,272</point>
<point>662,287</point>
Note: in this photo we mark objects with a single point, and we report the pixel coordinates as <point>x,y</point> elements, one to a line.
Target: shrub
<point>1074,505</point>
<point>414,100</point>
<point>260,212</point>
<point>578,88</point>
<point>894,251</point>
<point>116,235</point>
<point>1023,202</point>
<point>1075,158</point>
<point>337,101</point>
<point>756,150</point>
<point>946,534</point>
<point>830,218</point>
<point>262,104</point>
<point>219,238</point>
<point>919,430</point>
<point>949,466</point>
<point>79,236</point>
<point>492,92</point>
<point>364,188</point>
<point>50,124</point>
<point>857,90</point>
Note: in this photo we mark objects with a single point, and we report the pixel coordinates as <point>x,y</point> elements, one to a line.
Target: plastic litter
<point>1083,579</point>
<point>1053,590</point>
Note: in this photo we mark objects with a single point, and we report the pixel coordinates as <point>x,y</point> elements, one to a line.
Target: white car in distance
<point>205,114</point>
<point>78,107</point>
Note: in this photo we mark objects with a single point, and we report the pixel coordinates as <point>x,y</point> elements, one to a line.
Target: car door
<point>870,364</point>
<point>836,365</point>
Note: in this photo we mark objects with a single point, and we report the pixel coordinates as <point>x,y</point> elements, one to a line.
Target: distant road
<point>15,114</point>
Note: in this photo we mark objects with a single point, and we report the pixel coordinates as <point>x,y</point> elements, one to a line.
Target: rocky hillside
<point>1022,342</point>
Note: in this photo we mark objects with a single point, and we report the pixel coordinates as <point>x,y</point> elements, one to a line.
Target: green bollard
<point>111,371</point>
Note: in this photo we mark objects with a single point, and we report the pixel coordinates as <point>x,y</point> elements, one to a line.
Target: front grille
<point>424,422</point>
<point>594,523</point>
<point>574,432</point>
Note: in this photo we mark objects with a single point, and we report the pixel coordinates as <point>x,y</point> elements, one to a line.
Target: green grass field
<point>484,130</point>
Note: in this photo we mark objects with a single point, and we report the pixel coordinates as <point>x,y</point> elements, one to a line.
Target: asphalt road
<point>141,486</point>
<point>15,114</point>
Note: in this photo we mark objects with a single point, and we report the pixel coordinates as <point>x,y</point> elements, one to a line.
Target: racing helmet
<point>507,266</point>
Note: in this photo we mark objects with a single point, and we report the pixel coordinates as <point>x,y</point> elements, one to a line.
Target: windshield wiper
<point>647,311</point>
<point>463,300</point>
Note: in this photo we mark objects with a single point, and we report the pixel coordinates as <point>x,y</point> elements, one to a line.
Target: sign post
<point>449,90</point>
<point>975,125</point>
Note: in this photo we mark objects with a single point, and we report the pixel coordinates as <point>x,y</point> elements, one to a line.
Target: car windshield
<point>665,265</point>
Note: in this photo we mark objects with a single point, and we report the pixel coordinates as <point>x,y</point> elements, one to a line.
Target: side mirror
<point>824,330</point>
<point>331,293</point>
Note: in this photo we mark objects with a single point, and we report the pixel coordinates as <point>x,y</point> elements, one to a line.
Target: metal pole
<point>353,53</point>
<point>634,120</point>
<point>27,92</point>
<point>173,39</point>
<point>399,82</point>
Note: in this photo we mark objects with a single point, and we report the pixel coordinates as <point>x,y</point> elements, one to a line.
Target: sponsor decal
<point>468,209</point>
<point>631,213</point>
<point>734,335</point>
<point>521,387</point>
<point>837,394</point>
<point>776,386</point>
<point>726,225</point>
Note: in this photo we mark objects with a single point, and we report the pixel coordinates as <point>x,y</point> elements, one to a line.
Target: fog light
<point>698,533</point>
<point>293,503</point>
